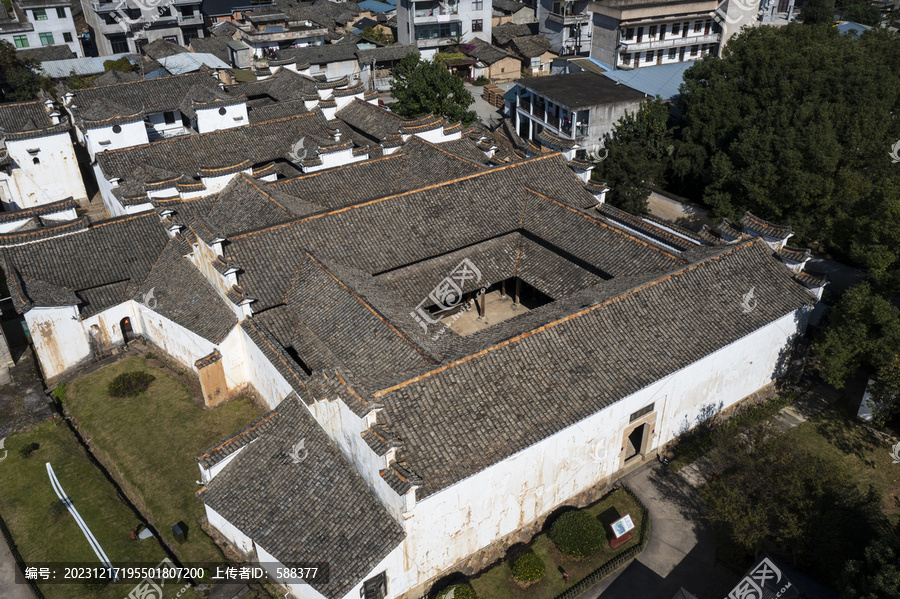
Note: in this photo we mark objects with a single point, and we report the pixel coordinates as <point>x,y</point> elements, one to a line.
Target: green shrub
<point>578,534</point>
<point>482,80</point>
<point>129,384</point>
<point>528,567</point>
<point>29,449</point>
<point>59,394</point>
<point>458,591</point>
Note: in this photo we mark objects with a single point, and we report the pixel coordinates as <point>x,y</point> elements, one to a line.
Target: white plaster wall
<point>332,159</point>
<point>237,538</point>
<point>110,201</point>
<point>158,121</point>
<point>217,184</point>
<point>56,176</point>
<point>61,216</point>
<point>15,224</point>
<point>209,119</point>
<point>261,374</point>
<point>345,429</point>
<point>300,591</point>
<point>207,475</point>
<point>344,100</point>
<point>132,134</point>
<point>59,338</point>
<point>463,518</point>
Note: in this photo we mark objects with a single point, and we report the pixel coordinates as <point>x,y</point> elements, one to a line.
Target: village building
<point>267,30</point>
<point>377,65</point>
<point>432,24</point>
<point>37,24</point>
<point>487,60</point>
<point>447,361</point>
<point>567,24</point>
<point>123,27</point>
<point>571,113</point>
<point>131,113</point>
<point>511,11</point>
<point>534,53</point>
<point>37,160</point>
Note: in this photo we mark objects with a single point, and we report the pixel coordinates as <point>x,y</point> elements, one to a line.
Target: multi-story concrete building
<point>640,33</point>
<point>268,30</point>
<point>125,25</point>
<point>567,24</point>
<point>430,24</point>
<point>39,23</point>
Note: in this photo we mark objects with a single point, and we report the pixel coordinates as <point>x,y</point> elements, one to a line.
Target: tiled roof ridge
<point>764,226</point>
<point>332,170</point>
<point>525,334</point>
<point>609,226</point>
<point>35,235</point>
<point>452,155</point>
<point>647,228</point>
<point>208,133</point>
<point>375,312</point>
<point>38,210</point>
<point>251,428</point>
<point>483,172</point>
<point>169,78</point>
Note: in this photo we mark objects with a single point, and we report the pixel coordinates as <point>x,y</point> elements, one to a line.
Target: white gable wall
<point>55,177</point>
<point>102,139</point>
<point>210,119</point>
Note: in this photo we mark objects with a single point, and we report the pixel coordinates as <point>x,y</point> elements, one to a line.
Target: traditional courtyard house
<point>136,112</point>
<point>571,113</point>
<point>37,159</point>
<point>496,64</point>
<point>432,24</point>
<point>118,27</point>
<point>633,34</point>
<point>345,313</point>
<point>331,61</point>
<point>503,34</point>
<point>534,53</point>
<point>511,11</point>
<point>40,24</point>
<point>383,127</point>
<point>567,24</point>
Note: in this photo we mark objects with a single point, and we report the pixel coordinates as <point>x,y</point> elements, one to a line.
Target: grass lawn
<point>498,583</point>
<point>26,497</point>
<point>837,434</point>
<point>152,440</point>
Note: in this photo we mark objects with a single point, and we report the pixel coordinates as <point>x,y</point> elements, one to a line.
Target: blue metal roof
<point>662,80</point>
<point>80,66</point>
<point>375,6</point>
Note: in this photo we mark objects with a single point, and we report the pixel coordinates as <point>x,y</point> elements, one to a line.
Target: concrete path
<point>487,113</point>
<point>681,549</point>
<point>8,587</point>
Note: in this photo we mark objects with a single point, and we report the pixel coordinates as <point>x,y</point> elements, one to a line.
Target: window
<point>662,32</point>
<point>477,25</point>
<point>165,11</point>
<point>40,14</point>
<point>477,4</point>
<point>629,33</point>
<point>706,27</point>
<point>649,57</point>
<point>674,28</point>
<point>698,26</point>
<point>694,50</point>
<point>118,44</point>
<point>438,30</point>
<point>375,587</point>
<point>21,41</point>
<point>67,37</point>
<point>169,117</point>
<point>642,412</point>
<point>222,111</point>
<point>187,11</point>
<point>61,12</point>
<point>36,160</point>
<point>652,31</point>
<point>46,39</point>
<point>671,53</point>
<point>117,128</point>
<point>626,59</point>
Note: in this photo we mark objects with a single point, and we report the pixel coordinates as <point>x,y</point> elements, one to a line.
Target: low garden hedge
<point>458,591</point>
<point>130,384</point>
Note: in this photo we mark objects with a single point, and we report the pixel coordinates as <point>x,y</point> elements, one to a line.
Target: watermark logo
<point>3,151</point>
<point>895,152</point>
<point>2,441</point>
<point>752,585</point>
<point>298,152</point>
<point>895,454</point>
<point>447,294</point>
<point>298,452</point>
<point>743,9</point>
<point>748,301</point>
<point>149,298</point>
<point>598,154</point>
<point>599,452</point>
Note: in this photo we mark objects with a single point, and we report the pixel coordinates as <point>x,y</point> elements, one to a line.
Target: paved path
<point>681,549</point>
<point>8,587</point>
<point>487,113</point>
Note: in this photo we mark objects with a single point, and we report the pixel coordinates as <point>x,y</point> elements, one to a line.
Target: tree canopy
<point>18,80</point>
<point>877,575</point>
<point>422,87</point>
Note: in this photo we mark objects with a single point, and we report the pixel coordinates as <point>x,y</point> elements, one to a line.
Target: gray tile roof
<point>387,54</point>
<point>324,54</point>
<point>582,90</point>
<point>212,45</point>
<point>67,204</point>
<point>529,46</point>
<point>161,49</point>
<point>19,117</point>
<point>44,53</point>
<point>487,53</point>
<point>319,509</point>
<point>503,34</point>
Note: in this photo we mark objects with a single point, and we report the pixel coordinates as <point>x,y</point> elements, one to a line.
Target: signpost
<point>620,530</point>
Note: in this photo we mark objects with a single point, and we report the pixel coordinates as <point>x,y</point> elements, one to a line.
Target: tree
<point>18,80</point>
<point>638,149</point>
<point>76,81</point>
<point>122,64</point>
<point>865,14</point>
<point>863,331</point>
<point>884,392</point>
<point>378,35</point>
<point>428,87</point>
<point>818,12</point>
<point>877,576</point>
<point>776,496</point>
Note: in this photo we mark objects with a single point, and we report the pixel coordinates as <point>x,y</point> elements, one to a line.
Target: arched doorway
<point>127,331</point>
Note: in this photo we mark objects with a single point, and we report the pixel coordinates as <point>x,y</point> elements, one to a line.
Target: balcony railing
<point>569,19</point>
<point>553,121</point>
<point>437,11</point>
<point>673,42</point>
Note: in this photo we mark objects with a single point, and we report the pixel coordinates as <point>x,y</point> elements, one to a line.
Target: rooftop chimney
<point>337,135</point>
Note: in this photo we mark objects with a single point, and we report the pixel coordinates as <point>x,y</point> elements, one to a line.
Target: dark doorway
<point>127,331</point>
<point>634,442</point>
